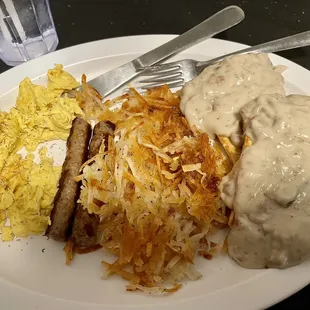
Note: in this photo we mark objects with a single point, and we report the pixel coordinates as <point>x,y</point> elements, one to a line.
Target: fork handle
<point>283,44</point>
<point>215,24</point>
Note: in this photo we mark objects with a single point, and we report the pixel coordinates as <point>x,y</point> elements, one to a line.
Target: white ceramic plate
<point>31,279</point>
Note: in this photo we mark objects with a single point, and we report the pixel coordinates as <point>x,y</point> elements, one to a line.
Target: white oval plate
<point>33,278</point>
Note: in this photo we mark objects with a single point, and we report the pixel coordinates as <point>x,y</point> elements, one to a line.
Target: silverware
<point>176,74</point>
<point>224,19</point>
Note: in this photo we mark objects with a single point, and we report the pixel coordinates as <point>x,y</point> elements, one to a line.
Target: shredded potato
<point>156,191</point>
<point>247,142</point>
<point>69,251</point>
<point>89,99</point>
<point>232,151</point>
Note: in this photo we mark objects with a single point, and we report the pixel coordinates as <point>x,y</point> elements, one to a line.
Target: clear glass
<point>27,30</point>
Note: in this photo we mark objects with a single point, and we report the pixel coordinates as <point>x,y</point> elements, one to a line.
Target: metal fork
<point>176,74</point>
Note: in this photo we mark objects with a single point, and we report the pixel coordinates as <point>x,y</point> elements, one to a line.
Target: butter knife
<point>222,20</point>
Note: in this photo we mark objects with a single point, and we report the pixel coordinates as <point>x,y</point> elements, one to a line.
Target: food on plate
<point>68,191</point>
<point>155,188</point>
<point>232,151</point>
<point>89,100</point>
<point>149,190</point>
<point>41,114</point>
<point>212,100</point>
<point>101,133</point>
<point>85,225</point>
<point>60,80</point>
<point>9,132</point>
<point>269,186</point>
<point>27,191</point>
<point>242,101</point>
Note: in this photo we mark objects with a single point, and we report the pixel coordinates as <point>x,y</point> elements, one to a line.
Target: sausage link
<point>85,225</point>
<point>68,190</point>
<point>102,130</point>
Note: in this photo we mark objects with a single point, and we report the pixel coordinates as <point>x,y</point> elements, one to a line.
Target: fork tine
<point>170,85</point>
<point>162,81</point>
<point>157,69</point>
<point>163,73</point>
<point>162,78</point>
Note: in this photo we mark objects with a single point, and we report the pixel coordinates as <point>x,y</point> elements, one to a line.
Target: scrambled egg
<point>27,189</point>
<point>9,134</point>
<point>26,195</point>
<point>42,113</point>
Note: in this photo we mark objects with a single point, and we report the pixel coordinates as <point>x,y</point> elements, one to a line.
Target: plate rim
<point>250,300</point>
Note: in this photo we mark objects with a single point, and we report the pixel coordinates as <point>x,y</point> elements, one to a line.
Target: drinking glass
<point>27,30</point>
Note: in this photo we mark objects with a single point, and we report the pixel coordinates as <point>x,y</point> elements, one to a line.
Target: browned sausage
<point>68,190</point>
<point>102,130</point>
<point>85,225</point>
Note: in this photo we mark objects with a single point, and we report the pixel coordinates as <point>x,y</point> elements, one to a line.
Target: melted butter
<point>269,187</point>
<point>212,100</point>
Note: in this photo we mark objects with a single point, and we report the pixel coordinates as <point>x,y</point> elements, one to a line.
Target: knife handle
<point>215,24</point>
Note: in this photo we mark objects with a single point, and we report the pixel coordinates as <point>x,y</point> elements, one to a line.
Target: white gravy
<point>269,187</point>
<point>212,100</point>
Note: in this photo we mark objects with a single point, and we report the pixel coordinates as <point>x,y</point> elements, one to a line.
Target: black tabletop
<point>79,21</point>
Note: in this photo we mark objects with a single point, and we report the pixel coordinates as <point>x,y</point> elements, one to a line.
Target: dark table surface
<point>79,21</point>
